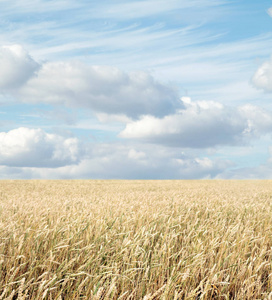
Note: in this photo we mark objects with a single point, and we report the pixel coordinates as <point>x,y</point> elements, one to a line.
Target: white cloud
<point>24,147</point>
<point>103,89</point>
<point>262,79</point>
<point>16,67</point>
<point>202,124</point>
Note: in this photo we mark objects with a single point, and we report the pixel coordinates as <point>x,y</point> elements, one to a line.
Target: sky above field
<point>150,89</point>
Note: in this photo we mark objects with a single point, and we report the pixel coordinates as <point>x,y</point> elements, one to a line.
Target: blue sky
<point>150,89</point>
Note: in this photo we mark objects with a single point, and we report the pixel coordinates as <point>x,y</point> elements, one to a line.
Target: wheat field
<point>95,239</point>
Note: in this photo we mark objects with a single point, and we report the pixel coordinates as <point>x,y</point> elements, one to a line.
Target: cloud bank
<point>110,161</point>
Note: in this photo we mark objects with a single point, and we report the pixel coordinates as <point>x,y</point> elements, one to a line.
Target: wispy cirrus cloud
<point>104,9</point>
<point>61,26</point>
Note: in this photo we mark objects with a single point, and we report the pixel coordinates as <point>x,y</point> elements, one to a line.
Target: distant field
<point>135,239</point>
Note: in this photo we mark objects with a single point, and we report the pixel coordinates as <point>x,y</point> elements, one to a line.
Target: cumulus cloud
<point>202,124</point>
<point>24,147</point>
<point>262,78</point>
<point>102,89</point>
<point>17,67</point>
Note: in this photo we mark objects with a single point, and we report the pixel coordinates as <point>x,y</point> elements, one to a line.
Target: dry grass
<point>135,240</point>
